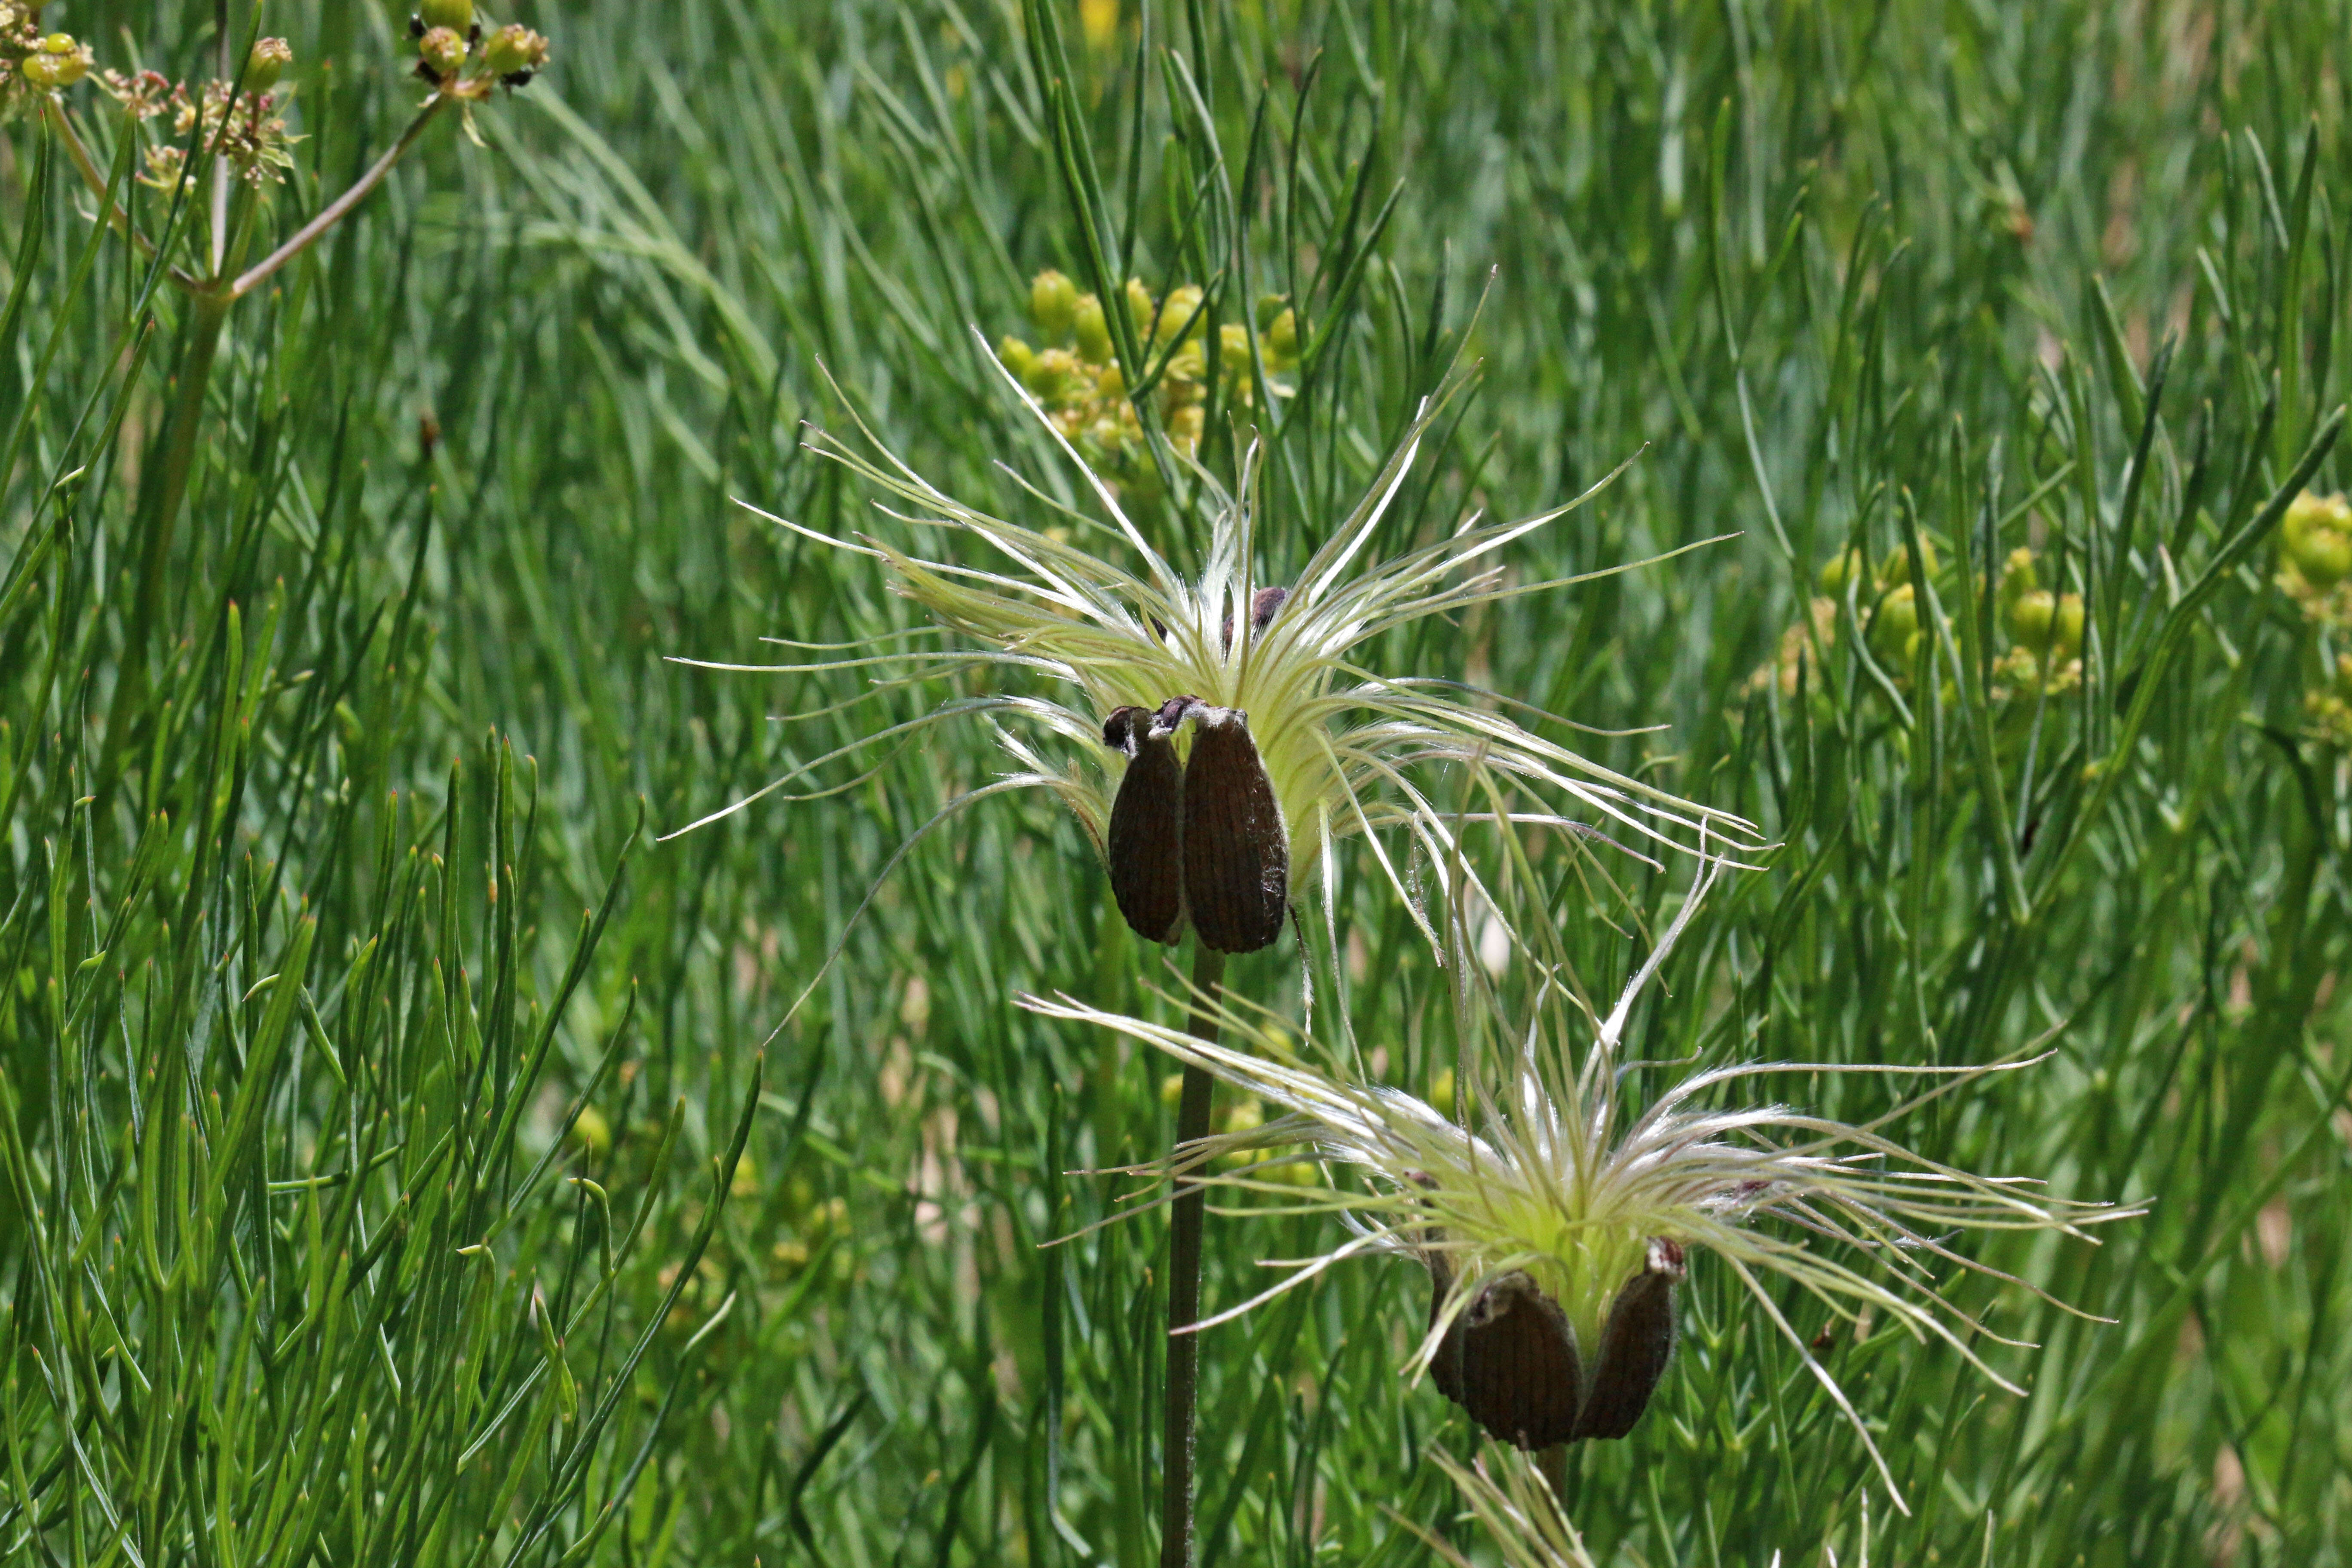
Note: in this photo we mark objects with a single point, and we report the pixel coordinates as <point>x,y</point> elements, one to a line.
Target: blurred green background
<point>300,999</point>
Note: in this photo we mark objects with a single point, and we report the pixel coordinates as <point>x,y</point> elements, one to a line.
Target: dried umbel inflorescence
<point>1253,741</point>
<point>244,129</point>
<point>1555,1220</point>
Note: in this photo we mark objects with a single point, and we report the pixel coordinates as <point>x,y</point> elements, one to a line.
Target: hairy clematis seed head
<point>1555,1219</point>
<point>1297,746</point>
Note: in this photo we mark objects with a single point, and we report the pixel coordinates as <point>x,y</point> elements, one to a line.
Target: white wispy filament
<point>1081,633</point>
<point>1555,1177</point>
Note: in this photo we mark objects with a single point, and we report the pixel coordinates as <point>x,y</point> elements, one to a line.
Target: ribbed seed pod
<point>1145,845</point>
<point>1634,1347</point>
<point>1236,856</point>
<point>1511,1359</point>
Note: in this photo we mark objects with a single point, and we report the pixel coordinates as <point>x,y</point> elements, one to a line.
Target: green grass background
<point>1823,267</point>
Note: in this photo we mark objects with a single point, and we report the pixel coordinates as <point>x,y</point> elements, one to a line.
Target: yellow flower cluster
<point>34,64</point>
<point>449,36</point>
<point>2315,557</point>
<point>2329,707</point>
<point>2044,628</point>
<point>1077,376</point>
<point>2046,631</point>
<point>2315,571</point>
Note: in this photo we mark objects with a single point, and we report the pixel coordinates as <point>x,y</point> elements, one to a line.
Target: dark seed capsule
<point>1265,605</point>
<point>1634,1347</point>
<point>1237,856</point>
<point>1510,1360</point>
<point>1145,845</point>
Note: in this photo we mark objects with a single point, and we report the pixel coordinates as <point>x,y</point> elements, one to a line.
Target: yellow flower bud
<point>2069,638</point>
<point>2326,560</point>
<point>1896,622</point>
<point>1138,304</point>
<point>2034,618</point>
<point>443,49</point>
<point>1111,383</point>
<point>514,50</point>
<point>1269,306</point>
<point>1176,315</point>
<point>1172,1090</point>
<point>1896,567</point>
<point>591,1131</point>
<point>1441,1090</point>
<point>1184,426</point>
<point>1099,21</point>
<point>1282,339</point>
<point>2316,535</point>
<point>1017,357</point>
<point>2018,576</point>
<point>457,16</point>
<point>268,60</point>
<point>58,62</point>
<point>1052,376</point>
<point>1839,572</point>
<point>1053,304</point>
<point>1092,331</point>
<point>1187,363</point>
<point>1233,347</point>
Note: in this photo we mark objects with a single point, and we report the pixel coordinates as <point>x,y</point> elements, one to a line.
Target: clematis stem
<point>1184,1281</point>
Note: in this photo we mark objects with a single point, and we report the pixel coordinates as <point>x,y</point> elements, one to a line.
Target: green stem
<point>1184,1281</point>
<point>146,624</point>
<point>113,214</point>
<point>333,212</point>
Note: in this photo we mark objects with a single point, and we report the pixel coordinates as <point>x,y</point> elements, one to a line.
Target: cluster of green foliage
<point>391,1168</point>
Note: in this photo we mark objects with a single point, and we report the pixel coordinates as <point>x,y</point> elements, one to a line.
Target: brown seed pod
<point>1236,856</point>
<point>1634,1347</point>
<point>1265,605</point>
<point>1511,1361</point>
<point>1145,845</point>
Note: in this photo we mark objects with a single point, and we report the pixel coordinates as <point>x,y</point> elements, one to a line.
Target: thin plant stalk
<point>189,386</point>
<point>214,296</point>
<point>334,211</point>
<point>1187,1213</point>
